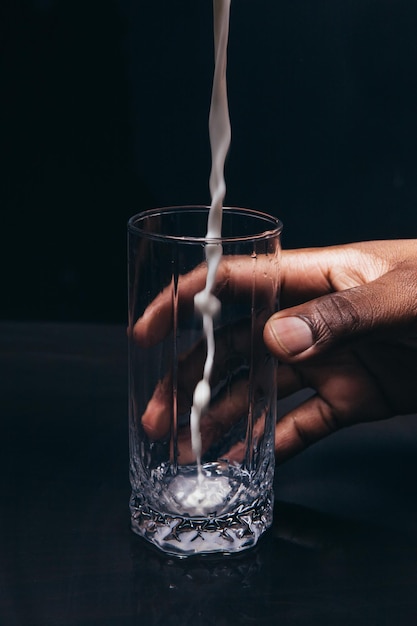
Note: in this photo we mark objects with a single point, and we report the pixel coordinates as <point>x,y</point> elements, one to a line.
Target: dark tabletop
<point>342,550</point>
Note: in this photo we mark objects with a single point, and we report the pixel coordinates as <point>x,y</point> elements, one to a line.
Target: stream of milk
<point>203,492</point>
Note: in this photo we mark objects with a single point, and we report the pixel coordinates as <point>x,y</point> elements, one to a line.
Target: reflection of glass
<point>231,506</point>
<point>311,568</point>
<point>204,591</point>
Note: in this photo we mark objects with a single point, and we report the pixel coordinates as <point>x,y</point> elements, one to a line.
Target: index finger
<point>236,277</point>
<point>306,274</point>
<point>313,272</point>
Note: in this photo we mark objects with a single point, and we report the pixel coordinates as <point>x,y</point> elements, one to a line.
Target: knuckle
<point>303,434</point>
<point>333,315</point>
<point>324,422</point>
<point>330,421</point>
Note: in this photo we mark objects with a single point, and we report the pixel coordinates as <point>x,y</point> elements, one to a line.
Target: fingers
<point>348,391</point>
<point>233,349</point>
<point>229,408</point>
<point>308,423</point>
<point>237,452</point>
<point>156,419</point>
<point>233,393</point>
<point>306,274</point>
<point>289,381</point>
<point>372,295</point>
<point>156,321</point>
<point>351,290</point>
<point>312,272</point>
<point>383,308</point>
<point>236,278</point>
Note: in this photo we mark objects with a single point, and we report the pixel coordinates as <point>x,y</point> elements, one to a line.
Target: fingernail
<point>292,334</point>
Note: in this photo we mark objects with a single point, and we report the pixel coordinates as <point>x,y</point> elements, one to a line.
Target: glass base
<point>186,536</point>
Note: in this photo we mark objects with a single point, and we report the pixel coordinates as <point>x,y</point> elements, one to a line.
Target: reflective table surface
<point>342,550</point>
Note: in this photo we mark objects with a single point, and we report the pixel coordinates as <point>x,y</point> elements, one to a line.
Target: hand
<point>239,350</point>
<point>351,337</point>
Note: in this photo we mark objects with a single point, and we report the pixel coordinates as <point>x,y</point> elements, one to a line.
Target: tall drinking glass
<point>227,505</point>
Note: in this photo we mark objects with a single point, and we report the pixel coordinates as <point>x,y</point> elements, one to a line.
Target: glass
<point>230,505</point>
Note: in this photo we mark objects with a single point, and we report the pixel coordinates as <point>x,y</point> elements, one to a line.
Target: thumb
<point>384,307</point>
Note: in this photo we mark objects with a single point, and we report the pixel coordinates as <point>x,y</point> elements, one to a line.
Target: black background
<point>104,113</point>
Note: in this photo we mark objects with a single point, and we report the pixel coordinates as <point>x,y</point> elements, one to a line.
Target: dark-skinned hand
<point>347,330</point>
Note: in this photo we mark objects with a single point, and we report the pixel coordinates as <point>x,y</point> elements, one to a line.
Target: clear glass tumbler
<point>228,504</point>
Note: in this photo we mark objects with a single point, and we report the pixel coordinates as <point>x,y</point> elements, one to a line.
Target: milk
<point>200,490</point>
<point>205,301</point>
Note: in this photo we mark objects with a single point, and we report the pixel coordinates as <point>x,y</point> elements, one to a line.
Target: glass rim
<point>268,233</point>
